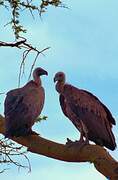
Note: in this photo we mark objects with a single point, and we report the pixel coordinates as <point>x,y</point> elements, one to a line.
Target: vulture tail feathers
<point>111,144</point>
<point>108,141</point>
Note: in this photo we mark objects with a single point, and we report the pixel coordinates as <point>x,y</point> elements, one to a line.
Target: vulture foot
<point>79,144</point>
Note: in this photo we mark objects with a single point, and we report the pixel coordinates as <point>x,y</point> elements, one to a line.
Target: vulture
<point>89,115</point>
<point>23,105</point>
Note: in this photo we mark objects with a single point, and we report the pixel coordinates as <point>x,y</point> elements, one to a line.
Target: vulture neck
<point>60,87</point>
<point>37,80</point>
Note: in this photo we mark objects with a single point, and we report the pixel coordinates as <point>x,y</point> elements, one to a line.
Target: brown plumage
<point>23,106</point>
<point>89,115</point>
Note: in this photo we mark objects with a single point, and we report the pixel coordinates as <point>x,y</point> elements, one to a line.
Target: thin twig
<point>8,150</point>
<point>22,44</point>
<point>38,53</point>
<point>25,53</point>
<point>2,93</point>
<point>4,170</point>
<point>28,3</point>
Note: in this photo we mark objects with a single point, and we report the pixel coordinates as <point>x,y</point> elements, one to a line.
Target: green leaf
<point>41,118</point>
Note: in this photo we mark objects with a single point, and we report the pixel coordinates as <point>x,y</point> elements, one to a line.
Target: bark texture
<point>95,154</point>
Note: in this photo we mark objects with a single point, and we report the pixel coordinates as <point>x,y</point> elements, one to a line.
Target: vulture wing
<point>68,112</point>
<point>87,101</point>
<point>96,117</point>
<point>63,104</point>
<point>108,113</point>
<point>22,106</point>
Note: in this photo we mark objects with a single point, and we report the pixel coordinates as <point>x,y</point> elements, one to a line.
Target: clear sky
<point>84,44</point>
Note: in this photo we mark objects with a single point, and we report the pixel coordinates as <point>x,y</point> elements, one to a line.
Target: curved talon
<point>69,140</point>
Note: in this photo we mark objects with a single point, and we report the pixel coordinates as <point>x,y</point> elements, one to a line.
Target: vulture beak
<point>55,79</point>
<point>43,72</point>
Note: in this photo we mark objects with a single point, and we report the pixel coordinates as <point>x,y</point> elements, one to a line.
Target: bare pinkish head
<point>37,73</point>
<point>60,77</point>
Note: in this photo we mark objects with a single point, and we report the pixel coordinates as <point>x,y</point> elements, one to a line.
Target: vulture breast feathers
<point>23,106</point>
<point>78,104</point>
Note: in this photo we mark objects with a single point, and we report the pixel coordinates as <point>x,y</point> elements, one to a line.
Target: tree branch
<point>15,44</point>
<point>28,48</point>
<point>95,154</point>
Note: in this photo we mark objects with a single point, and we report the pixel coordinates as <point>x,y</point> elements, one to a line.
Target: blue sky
<point>84,41</point>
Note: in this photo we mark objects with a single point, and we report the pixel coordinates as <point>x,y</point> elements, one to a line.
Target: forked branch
<point>26,48</point>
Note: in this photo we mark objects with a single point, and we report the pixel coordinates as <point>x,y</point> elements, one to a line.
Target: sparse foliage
<point>16,7</point>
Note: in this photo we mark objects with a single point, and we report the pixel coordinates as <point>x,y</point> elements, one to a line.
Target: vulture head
<point>37,73</point>
<point>60,79</point>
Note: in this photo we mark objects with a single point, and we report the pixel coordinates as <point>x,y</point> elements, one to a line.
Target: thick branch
<point>101,159</point>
